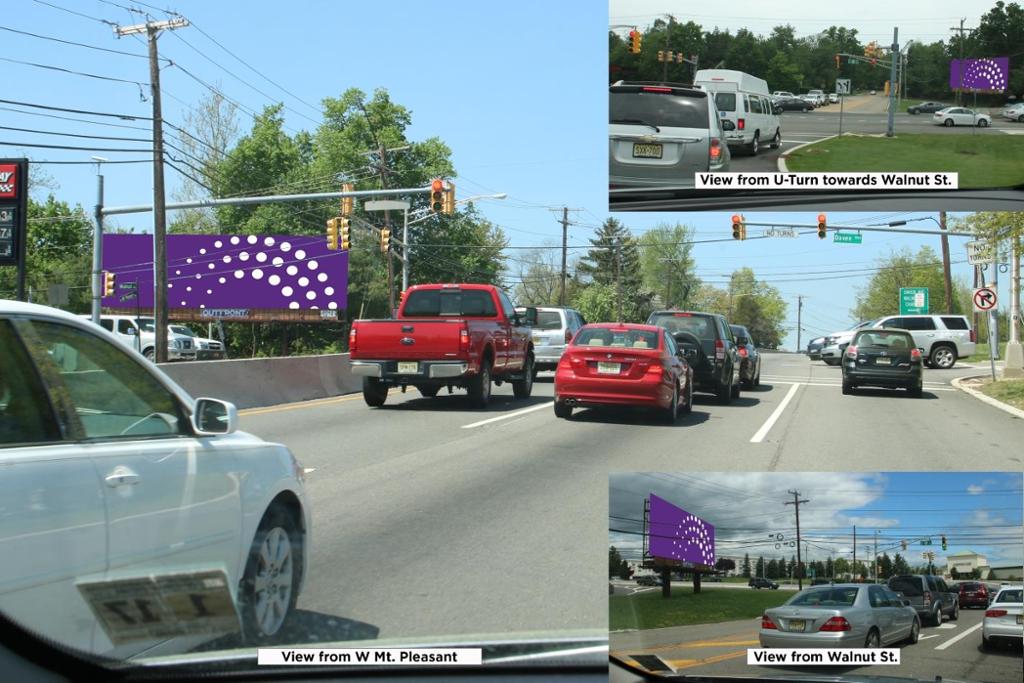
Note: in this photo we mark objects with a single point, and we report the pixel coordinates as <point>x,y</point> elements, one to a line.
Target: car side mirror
<point>728,125</point>
<point>211,417</point>
<point>130,331</point>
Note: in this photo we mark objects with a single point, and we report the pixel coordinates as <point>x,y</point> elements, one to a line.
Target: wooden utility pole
<point>796,503</point>
<point>946,279</point>
<point>565,249</point>
<point>152,30</point>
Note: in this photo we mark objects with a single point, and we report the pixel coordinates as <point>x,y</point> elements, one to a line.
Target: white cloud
<point>975,489</point>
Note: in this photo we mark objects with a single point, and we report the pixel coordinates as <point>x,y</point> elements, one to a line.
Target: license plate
<point>646,151</point>
<point>797,625</point>
<point>408,368</point>
<point>608,368</point>
<point>883,361</point>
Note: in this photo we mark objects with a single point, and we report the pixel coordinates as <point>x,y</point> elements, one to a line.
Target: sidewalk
<point>972,385</point>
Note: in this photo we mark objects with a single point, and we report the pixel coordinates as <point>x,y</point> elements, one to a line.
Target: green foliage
<point>903,269</point>
<point>667,266</point>
<point>613,267</point>
<point>617,567</point>
<point>759,307</point>
<point>746,565</point>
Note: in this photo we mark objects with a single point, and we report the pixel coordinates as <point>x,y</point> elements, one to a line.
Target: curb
<point>782,157</point>
<point>959,384</point>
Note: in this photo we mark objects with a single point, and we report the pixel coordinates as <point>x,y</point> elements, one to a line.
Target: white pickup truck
<point>125,328</point>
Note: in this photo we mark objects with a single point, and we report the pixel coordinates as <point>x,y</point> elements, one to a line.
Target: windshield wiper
<point>638,122</point>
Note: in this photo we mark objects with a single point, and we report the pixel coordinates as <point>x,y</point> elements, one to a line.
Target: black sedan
<point>793,104</point>
<point>883,358</point>
<point>814,348</point>
<point>926,108</point>
<point>750,359</point>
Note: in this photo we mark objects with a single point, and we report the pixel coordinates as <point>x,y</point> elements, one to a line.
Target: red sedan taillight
<point>352,340</point>
<point>995,613</point>
<point>836,624</point>
<point>767,623</point>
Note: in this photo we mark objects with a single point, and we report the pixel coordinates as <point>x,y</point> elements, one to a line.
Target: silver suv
<point>662,134</point>
<point>928,595</point>
<point>942,338</point>
<point>555,328</point>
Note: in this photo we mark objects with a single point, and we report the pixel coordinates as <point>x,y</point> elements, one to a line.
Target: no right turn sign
<point>984,299</point>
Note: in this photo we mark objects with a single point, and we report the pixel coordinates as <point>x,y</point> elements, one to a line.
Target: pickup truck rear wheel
<point>480,387</point>
<point>375,392</point>
<point>523,387</point>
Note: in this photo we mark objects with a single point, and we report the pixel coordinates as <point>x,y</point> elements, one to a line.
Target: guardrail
<point>258,382</point>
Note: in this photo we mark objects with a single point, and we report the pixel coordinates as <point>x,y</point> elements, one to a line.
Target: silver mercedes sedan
<point>841,615</point>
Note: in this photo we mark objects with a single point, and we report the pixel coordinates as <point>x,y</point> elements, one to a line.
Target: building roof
<point>966,552</point>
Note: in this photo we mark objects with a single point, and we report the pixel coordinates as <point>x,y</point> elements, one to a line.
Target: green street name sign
<point>847,238</point>
<point>913,300</point>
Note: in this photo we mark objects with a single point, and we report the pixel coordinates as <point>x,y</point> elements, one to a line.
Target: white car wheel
<point>269,587</point>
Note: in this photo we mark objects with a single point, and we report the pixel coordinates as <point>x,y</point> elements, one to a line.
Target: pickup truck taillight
<point>464,339</point>
<point>719,349</point>
<point>352,340</point>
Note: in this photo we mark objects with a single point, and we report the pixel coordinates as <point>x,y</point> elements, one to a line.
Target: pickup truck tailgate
<point>407,339</point>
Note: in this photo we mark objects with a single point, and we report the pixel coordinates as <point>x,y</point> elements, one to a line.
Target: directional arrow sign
<point>984,299</point>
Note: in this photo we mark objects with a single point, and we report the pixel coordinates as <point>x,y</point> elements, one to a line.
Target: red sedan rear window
<point>622,338</point>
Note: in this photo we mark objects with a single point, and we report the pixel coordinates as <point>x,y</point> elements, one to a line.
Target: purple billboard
<point>675,534</point>
<point>232,273</point>
<point>990,74</point>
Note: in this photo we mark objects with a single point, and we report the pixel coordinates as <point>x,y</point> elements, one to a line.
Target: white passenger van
<point>746,101</point>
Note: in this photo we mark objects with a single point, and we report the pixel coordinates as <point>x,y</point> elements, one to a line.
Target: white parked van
<point>746,101</point>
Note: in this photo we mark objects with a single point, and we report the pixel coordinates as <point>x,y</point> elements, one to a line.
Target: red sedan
<point>617,364</point>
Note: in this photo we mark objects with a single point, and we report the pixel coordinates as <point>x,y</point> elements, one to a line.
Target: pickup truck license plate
<point>646,151</point>
<point>608,368</point>
<point>408,368</point>
<point>797,625</point>
<point>883,361</point>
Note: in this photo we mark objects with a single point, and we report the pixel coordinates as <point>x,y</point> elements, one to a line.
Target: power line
<point>126,117</point>
<point>50,67</point>
<point>71,11</point>
<point>72,42</point>
<point>81,149</point>
<point>72,118</point>
<point>127,161</point>
<point>75,135</point>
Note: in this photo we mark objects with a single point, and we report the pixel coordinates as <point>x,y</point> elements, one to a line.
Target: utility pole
<point>961,31</point>
<point>854,551</point>
<point>796,503</point>
<point>97,248</point>
<point>946,279</point>
<point>618,279</point>
<point>799,310</point>
<point>565,250</point>
<point>895,56</point>
<point>152,30</point>
<point>876,555</point>
<point>1014,353</point>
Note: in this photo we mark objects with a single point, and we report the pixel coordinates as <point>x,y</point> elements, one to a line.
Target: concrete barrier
<point>257,382</point>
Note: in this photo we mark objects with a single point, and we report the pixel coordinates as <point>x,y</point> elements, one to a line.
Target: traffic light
<point>347,203</point>
<point>822,226</point>
<point>108,283</point>
<point>332,233</point>
<point>385,239</point>
<point>943,542</point>
<point>448,201</point>
<point>661,55</point>
<point>634,41</point>
<point>437,195</point>
<point>739,227</point>
<point>346,235</point>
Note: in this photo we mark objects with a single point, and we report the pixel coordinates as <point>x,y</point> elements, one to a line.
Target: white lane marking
<point>959,637</point>
<point>763,431</point>
<point>508,415</point>
<point>837,384</point>
<point>934,635</point>
<point>307,470</point>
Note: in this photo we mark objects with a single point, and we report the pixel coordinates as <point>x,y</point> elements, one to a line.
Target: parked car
<point>883,358</point>
<point>794,104</point>
<point>833,97</point>
<point>820,95</point>
<point>555,328</point>
<point>206,349</point>
<point>760,582</point>
<point>445,335</point>
<point>872,92</point>
<point>112,472</point>
<point>929,595</point>
<point>960,116</point>
<point>782,93</point>
<point>973,594</point>
<point>648,580</point>
<point>835,344</point>
<point>663,134</point>
<point>809,99</point>
<point>140,334</point>
<point>750,357</point>
<point>710,348</point>
<point>843,615</point>
<point>743,100</point>
<point>926,108</point>
<point>814,348</point>
<point>1014,112</point>
<point>617,364</point>
<point>942,338</point>
<point>1003,618</point>
<point>713,578</point>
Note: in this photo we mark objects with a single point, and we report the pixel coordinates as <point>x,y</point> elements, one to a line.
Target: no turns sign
<point>984,299</point>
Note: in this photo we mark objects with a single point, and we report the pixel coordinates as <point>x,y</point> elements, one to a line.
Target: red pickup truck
<point>451,335</point>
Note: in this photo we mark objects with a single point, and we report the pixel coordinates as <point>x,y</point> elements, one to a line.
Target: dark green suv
<point>710,348</point>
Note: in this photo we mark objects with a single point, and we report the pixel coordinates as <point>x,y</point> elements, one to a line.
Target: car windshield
<point>181,329</point>
<point>662,110</point>
<point>825,597</point>
<point>701,327</point>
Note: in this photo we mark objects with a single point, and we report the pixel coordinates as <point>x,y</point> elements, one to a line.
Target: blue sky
<point>977,511</point>
<point>523,107</point>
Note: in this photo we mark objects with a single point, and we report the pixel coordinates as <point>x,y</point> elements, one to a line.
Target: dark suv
<point>758,582</point>
<point>710,348</point>
<point>929,595</point>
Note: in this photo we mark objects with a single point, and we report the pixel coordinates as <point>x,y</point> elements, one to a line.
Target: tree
<point>758,307</point>
<point>538,278</point>
<point>667,265</point>
<point>885,566</point>
<point>791,567</point>
<point>759,567</point>
<point>899,565</point>
<point>614,261</point>
<point>616,565</point>
<point>772,570</point>
<point>724,564</point>
<point>830,568</point>
<point>746,565</point>
<point>902,269</point>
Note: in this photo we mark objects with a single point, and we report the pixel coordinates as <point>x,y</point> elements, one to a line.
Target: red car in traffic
<point>618,364</point>
<point>973,593</point>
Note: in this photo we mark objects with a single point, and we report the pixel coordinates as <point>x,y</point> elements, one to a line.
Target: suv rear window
<point>455,302</point>
<point>700,326</point>
<point>910,586</point>
<point>954,323</point>
<point>665,110</point>
<point>548,320</point>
